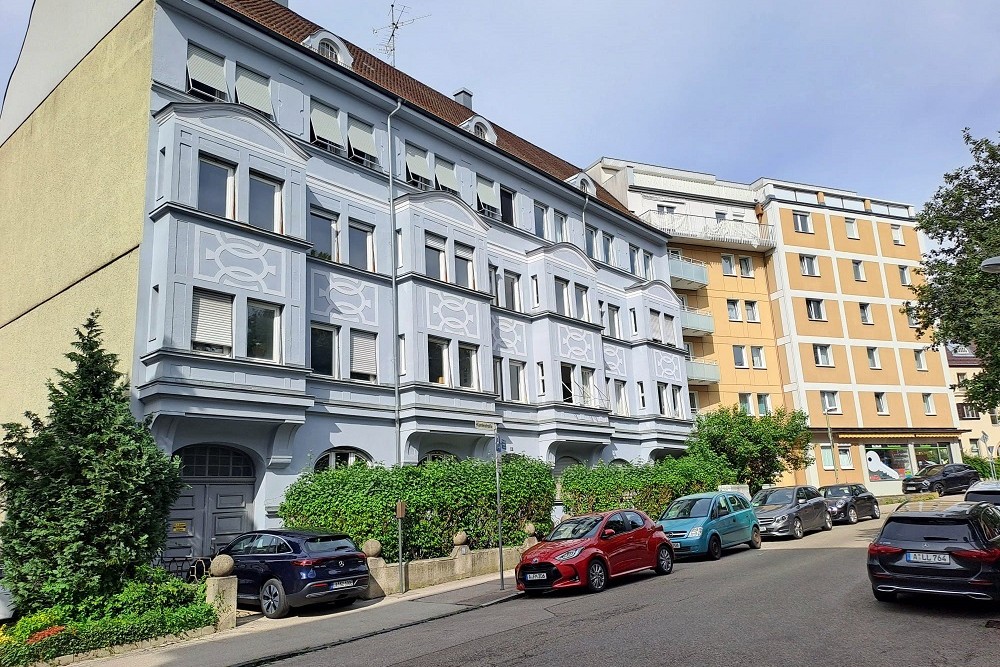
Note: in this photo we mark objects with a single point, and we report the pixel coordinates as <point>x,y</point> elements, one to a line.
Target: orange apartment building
<point>793,297</point>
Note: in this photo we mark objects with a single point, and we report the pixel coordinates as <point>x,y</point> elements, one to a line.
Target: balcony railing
<point>703,372</point>
<point>696,322</point>
<point>731,232</point>
<point>686,273</point>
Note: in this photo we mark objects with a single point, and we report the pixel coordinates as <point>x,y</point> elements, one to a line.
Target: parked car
<point>282,569</point>
<point>591,549</point>
<point>938,548</point>
<point>985,490</point>
<point>791,511</point>
<point>707,523</point>
<point>941,479</point>
<point>847,502</point>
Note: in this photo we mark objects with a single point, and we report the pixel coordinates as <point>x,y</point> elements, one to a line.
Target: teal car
<point>707,523</point>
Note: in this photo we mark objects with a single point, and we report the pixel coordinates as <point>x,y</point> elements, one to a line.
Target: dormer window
<point>480,127</point>
<point>329,50</point>
<point>329,46</point>
<point>480,131</point>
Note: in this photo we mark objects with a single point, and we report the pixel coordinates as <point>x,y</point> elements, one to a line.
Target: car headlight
<point>572,553</point>
<point>841,502</point>
<point>925,483</point>
<point>781,519</point>
<point>695,532</point>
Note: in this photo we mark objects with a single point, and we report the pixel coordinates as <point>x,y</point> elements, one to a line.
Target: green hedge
<point>648,487</point>
<point>981,465</point>
<point>442,497</point>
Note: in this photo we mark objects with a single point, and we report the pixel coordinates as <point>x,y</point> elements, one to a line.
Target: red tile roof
<point>285,23</point>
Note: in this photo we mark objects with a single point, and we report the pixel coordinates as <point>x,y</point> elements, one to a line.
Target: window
<point>664,209</point>
<point>562,296</point>
<point>974,446</point>
<point>437,361</point>
<point>464,271</point>
<point>668,330</point>
<point>966,411</point>
<point>480,131</point>
<point>360,246</point>
<point>582,303</point>
<point>822,355</point>
<point>498,377</point>
<point>560,227</point>
<point>920,359</point>
<point>808,265</point>
<point>540,211</point>
<point>206,75</point>
<point>339,458</point>
<point>401,355</point>
<point>493,278</point>
<point>363,356</point>
<point>324,127</point>
<point>904,276</point>
<point>740,356</point>
<point>757,356</point>
<point>662,395</point>
<point>815,309</point>
<point>881,404</point>
<point>753,315</point>
<point>263,334</point>
<point>608,242</point>
<point>635,321</point>
<point>928,404</point>
<point>589,388</point>
<point>874,362</point>
<point>960,378</point>
<point>851,227</point>
<point>321,230</point>
<point>745,405</point>
<point>866,313</point>
<point>511,290</point>
<point>418,170</point>
<point>506,206</point>
<point>802,223</point>
<point>212,322</point>
<point>487,202</point>
<point>647,265</point>
<point>445,173</point>
<point>693,402</point>
<point>728,265</point>
<point>634,260</point>
<point>535,299</point>
<point>265,203</point>
<point>995,417</point>
<point>830,401</point>
<point>826,453</point>
<point>434,264</point>
<point>911,320</point>
<point>655,326</point>
<point>859,270</point>
<point>361,143</point>
<point>541,379</point>
<point>676,403</point>
<point>253,90</point>
<point>590,235</point>
<point>216,188</point>
<point>746,266</point>
<point>614,321</point>
<point>328,50</point>
<point>897,234</point>
<point>621,398</point>
<point>763,404</point>
<point>733,308</point>
<point>323,350</point>
<point>516,371</point>
<point>566,382</point>
<point>468,368</point>
<point>720,216</point>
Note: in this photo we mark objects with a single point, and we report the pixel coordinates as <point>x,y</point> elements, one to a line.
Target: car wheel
<point>852,515</point>
<point>797,531</point>
<point>754,538</point>
<point>597,576</point>
<point>876,511</point>
<point>884,596</point>
<point>273,602</point>
<point>827,522</point>
<point>938,489</point>
<point>714,547</point>
<point>664,560</point>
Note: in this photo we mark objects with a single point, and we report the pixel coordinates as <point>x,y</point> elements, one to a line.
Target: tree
<point>958,302</point>
<point>758,449</point>
<point>87,491</point>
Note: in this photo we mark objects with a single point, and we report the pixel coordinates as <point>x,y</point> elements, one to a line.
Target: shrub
<point>981,465</point>
<point>442,497</point>
<point>649,487</point>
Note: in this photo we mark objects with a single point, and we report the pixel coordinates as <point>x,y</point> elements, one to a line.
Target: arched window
<point>480,131</point>
<point>328,50</point>
<point>562,463</point>
<point>619,462</point>
<point>437,455</point>
<point>216,461</point>
<point>340,457</point>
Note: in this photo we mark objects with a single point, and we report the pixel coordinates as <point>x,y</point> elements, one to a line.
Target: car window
<point>329,543</point>
<point>616,523</point>
<point>283,547</point>
<point>241,546</point>
<point>835,491</point>
<point>989,521</point>
<point>686,508</point>
<point>739,503</point>
<point>859,490</point>
<point>721,506</point>
<point>926,530</point>
<point>772,497</point>
<point>265,545</point>
<point>930,471</point>
<point>984,495</point>
<point>572,529</point>
<point>812,493</point>
<point>800,494</point>
<point>634,520</point>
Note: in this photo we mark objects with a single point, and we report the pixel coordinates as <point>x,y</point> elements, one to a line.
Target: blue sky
<point>869,96</point>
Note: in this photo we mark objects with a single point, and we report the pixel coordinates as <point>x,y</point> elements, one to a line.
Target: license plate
<point>534,576</point>
<point>919,557</point>
<point>911,488</point>
<point>763,529</point>
<point>342,584</point>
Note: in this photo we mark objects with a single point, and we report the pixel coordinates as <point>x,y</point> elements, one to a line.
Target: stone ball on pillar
<point>460,538</point>
<point>372,548</point>
<point>222,566</point>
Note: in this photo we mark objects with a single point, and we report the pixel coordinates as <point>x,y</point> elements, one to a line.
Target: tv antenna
<point>396,22</point>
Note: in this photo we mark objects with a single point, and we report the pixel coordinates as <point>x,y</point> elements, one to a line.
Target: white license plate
<point>911,488</point>
<point>342,584</point>
<point>534,576</point>
<point>920,557</point>
<point>763,529</point>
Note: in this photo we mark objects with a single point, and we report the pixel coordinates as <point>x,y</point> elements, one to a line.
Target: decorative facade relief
<point>576,344</point>
<point>237,261</point>
<point>668,366</point>
<point>510,336</point>
<point>448,313</point>
<point>614,360</point>
<point>344,297</point>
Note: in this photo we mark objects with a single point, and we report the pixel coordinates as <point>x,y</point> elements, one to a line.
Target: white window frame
<point>897,234</point>
<point>438,244</point>
<point>752,311</point>
<point>640,388</point>
<point>821,305</point>
<point>444,345</point>
<point>858,266</point>
<point>647,265</point>
<point>275,325</point>
<point>746,403</point>
<point>518,381</point>
<point>592,242</point>
<point>467,255</point>
<point>214,89</point>
<point>731,261</point>
<point>740,360</point>
<point>635,321</point>
<point>276,221</point>
<point>540,369</point>
<point>581,302</point>
<point>746,268</point>
<point>334,348</point>
<point>334,223</point>
<point>920,360</point>
<point>802,222</point>
<point>809,265</point>
<point>514,281</point>
<point>614,321</point>
<point>904,276</point>
<point>213,335</point>
<point>874,358</point>
<point>371,377</point>
<point>929,408</point>
<point>830,402</point>
<point>881,403</point>
<point>763,406</point>
<point>560,227</point>
<point>865,312</point>
<point>635,260</point>
<point>540,208</point>
<point>589,386</point>
<point>564,305</point>
<point>230,183</point>
<point>467,350</point>
<point>733,310</point>
<point>823,355</point>
<point>757,359</point>
<point>851,228</point>
<point>608,248</point>
<point>370,242</point>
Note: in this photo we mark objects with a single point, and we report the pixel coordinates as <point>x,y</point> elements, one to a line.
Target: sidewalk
<point>258,640</point>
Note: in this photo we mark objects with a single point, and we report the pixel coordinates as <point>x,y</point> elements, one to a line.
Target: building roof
<point>284,22</point>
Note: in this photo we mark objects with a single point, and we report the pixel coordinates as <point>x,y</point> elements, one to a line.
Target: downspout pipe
<point>394,238</point>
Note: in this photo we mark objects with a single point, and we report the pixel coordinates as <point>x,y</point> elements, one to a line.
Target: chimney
<point>283,3</point>
<point>464,97</point>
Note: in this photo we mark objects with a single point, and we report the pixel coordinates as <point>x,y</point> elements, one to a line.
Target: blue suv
<point>707,523</point>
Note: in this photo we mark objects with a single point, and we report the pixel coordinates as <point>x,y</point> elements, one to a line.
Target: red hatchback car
<point>588,550</point>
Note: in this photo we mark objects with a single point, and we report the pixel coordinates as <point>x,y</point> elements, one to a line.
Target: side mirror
<point>608,532</point>
<point>657,527</point>
<point>802,501</point>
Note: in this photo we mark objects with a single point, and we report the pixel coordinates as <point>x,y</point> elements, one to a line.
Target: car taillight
<point>306,562</point>
<point>883,550</point>
<point>980,555</point>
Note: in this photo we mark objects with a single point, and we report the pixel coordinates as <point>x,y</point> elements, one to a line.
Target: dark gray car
<point>790,511</point>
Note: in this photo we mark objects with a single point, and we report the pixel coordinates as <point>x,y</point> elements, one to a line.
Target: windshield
<point>835,491</point>
<point>329,543</point>
<point>686,508</point>
<point>987,496</point>
<point>930,471</point>
<point>772,497</point>
<point>574,529</point>
<point>927,530</point>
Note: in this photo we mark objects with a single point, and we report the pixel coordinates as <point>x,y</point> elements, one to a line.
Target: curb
<point>119,649</point>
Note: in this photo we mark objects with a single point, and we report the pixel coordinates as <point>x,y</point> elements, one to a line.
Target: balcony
<point>702,230</point>
<point>696,322</point>
<point>702,373</point>
<point>687,273</point>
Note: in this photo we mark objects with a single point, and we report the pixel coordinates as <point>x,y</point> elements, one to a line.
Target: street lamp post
<point>833,449</point>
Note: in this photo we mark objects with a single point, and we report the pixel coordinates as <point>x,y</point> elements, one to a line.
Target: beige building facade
<point>983,428</point>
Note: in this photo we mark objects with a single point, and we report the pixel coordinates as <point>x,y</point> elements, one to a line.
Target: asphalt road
<point>805,602</point>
